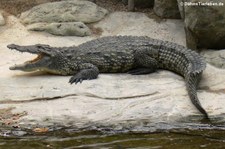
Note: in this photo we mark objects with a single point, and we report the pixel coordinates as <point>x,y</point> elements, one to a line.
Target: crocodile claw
<point>75,80</point>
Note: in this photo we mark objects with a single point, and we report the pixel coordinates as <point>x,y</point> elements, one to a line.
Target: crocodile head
<point>48,59</point>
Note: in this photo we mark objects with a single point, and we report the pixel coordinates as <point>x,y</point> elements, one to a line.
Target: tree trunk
<point>130,5</point>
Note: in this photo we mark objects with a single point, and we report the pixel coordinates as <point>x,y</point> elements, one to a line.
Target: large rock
<point>62,29</point>
<point>204,24</point>
<point>64,11</point>
<point>167,9</point>
<point>2,20</point>
<point>216,58</point>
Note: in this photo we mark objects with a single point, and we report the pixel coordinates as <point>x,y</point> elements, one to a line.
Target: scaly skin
<point>132,54</point>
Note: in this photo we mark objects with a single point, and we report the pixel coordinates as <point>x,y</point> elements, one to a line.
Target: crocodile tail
<point>192,80</point>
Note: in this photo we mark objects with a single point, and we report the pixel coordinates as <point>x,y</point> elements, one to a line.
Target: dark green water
<point>71,138</point>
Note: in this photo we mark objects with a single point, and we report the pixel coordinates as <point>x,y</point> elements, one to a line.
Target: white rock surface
<point>215,57</point>
<point>64,11</point>
<point>112,98</point>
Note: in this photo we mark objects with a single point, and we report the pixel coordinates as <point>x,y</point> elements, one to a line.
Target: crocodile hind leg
<point>144,64</point>
<point>87,72</point>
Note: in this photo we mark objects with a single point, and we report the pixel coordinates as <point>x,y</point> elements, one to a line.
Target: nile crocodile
<point>132,54</point>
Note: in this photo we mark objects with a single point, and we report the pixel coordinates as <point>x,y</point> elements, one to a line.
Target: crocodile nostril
<point>81,26</point>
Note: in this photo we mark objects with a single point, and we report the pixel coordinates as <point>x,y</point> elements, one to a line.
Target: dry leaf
<point>40,130</point>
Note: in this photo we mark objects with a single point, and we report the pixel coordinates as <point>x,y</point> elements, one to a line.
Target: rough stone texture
<point>204,24</point>
<point>215,58</point>
<point>112,98</point>
<point>167,9</point>
<point>64,11</point>
<point>2,20</point>
<point>62,29</point>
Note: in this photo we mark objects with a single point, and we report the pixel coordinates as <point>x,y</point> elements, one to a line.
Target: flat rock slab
<point>51,100</point>
<point>64,11</point>
<point>112,99</point>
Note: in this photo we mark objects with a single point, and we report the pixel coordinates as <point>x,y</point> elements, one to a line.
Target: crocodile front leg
<point>87,72</point>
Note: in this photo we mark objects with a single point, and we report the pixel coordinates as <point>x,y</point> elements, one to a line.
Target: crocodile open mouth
<point>39,57</point>
<point>38,63</point>
<point>26,66</point>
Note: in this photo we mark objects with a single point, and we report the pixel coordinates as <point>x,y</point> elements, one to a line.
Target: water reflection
<point>188,133</point>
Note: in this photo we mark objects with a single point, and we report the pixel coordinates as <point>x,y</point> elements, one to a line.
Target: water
<point>196,136</point>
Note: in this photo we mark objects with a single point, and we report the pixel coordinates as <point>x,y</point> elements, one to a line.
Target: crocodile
<point>135,55</point>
